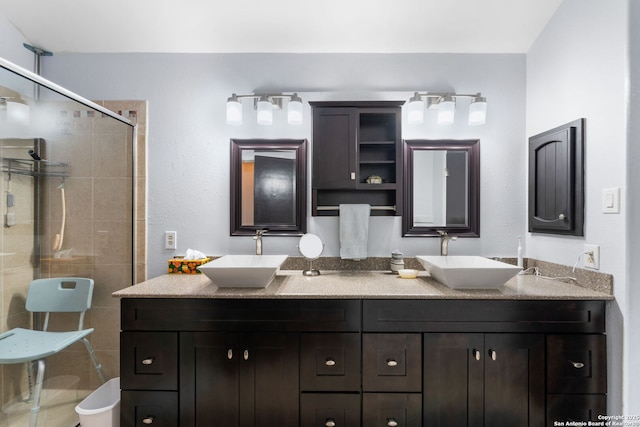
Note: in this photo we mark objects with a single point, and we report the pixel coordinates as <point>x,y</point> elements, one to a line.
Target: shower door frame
<point>39,80</point>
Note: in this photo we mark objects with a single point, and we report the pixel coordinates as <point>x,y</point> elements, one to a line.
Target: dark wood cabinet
<point>244,380</point>
<point>352,142</point>
<point>339,362</point>
<point>391,409</point>
<point>483,379</point>
<point>391,363</point>
<point>576,377</point>
<point>330,410</point>
<point>330,362</point>
<point>556,180</point>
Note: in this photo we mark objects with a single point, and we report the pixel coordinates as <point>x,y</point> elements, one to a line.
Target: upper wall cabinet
<point>556,180</point>
<point>357,156</point>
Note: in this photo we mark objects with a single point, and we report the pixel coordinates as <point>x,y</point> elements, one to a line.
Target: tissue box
<point>180,265</point>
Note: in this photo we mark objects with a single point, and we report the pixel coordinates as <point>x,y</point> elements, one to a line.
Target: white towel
<point>354,231</point>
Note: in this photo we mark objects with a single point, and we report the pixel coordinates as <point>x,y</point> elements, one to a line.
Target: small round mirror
<point>311,247</point>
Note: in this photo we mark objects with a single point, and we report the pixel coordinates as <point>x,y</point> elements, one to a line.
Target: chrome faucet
<point>258,239</point>
<point>444,242</point>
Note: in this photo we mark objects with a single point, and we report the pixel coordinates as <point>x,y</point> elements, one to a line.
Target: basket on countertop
<point>179,265</point>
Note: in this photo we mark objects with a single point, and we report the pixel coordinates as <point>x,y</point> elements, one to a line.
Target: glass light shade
<point>265,111</point>
<point>234,111</point>
<point>415,110</point>
<point>18,113</point>
<point>294,110</point>
<point>478,111</point>
<point>446,110</point>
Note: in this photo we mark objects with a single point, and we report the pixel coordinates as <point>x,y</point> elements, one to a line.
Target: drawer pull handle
<point>561,217</point>
<point>330,362</point>
<point>148,361</point>
<point>493,354</point>
<point>392,362</point>
<point>476,354</point>
<point>246,355</point>
<point>577,365</point>
<point>352,176</point>
<point>148,420</point>
<point>330,422</point>
<point>230,354</point>
<point>392,423</point>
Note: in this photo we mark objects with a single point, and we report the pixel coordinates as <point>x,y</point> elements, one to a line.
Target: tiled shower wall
<point>97,236</point>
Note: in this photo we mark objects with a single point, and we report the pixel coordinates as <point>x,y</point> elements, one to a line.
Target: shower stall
<point>69,200</point>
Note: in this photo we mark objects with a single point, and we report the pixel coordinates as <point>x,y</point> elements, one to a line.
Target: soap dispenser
<point>397,263</point>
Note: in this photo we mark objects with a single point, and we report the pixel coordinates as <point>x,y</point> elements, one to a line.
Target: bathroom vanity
<point>361,349</point>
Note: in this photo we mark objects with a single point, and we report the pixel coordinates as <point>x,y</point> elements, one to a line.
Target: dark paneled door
<point>244,380</point>
<point>514,380</point>
<point>483,380</point>
<point>274,190</point>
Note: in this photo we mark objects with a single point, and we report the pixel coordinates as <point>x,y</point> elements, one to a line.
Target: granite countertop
<point>291,284</point>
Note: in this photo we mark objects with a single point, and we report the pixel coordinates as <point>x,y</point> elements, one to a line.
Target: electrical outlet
<point>170,240</point>
<point>592,257</point>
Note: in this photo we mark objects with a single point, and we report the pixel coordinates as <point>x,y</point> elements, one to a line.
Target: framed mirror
<point>268,186</point>
<point>441,188</point>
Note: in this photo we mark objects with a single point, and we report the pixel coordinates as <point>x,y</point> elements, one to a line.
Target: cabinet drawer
<point>392,362</point>
<point>149,360</point>
<point>576,364</point>
<point>248,315</point>
<point>330,362</point>
<point>392,409</point>
<point>329,410</point>
<point>145,408</point>
<point>483,316</point>
<point>575,407</point>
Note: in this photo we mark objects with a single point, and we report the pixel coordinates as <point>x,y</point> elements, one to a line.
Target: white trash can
<point>102,407</point>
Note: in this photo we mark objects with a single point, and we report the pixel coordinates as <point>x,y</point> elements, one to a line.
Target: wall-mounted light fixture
<point>16,112</point>
<point>264,104</point>
<point>445,104</point>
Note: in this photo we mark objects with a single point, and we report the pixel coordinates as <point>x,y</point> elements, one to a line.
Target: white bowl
<point>408,273</point>
<point>243,271</point>
<point>468,272</point>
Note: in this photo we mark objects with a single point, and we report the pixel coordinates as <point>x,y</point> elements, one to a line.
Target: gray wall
<point>189,139</point>
<point>578,68</point>
<point>632,323</point>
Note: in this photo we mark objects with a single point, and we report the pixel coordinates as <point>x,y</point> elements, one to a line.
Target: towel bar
<point>373,208</point>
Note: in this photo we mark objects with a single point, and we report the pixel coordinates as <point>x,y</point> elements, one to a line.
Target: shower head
<point>34,155</point>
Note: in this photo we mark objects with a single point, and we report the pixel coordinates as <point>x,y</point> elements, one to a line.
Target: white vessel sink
<point>468,272</point>
<point>243,271</point>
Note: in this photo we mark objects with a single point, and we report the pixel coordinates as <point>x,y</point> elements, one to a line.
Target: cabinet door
<point>483,380</point>
<point>269,388</point>
<point>329,410</point>
<point>330,362</point>
<point>149,360</point>
<point>391,362</point>
<point>334,148</point>
<point>144,408</point>
<point>214,366</point>
<point>577,364</point>
<point>391,409</point>
<point>514,380</point>
<point>241,380</point>
<point>453,380</point>
<point>556,180</point>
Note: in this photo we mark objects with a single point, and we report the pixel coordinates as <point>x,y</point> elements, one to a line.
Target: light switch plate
<point>611,200</point>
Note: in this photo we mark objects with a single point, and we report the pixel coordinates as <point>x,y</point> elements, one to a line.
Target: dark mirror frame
<point>472,147</point>
<point>299,146</point>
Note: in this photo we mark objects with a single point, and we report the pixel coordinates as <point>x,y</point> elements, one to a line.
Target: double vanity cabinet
<point>297,361</point>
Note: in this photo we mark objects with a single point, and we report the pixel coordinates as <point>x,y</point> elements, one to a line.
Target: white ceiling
<point>199,26</point>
